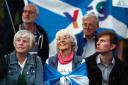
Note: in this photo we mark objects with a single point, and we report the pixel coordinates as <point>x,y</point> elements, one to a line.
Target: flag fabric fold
<point>77,77</point>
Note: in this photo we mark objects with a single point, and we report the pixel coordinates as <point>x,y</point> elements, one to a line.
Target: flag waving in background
<point>57,14</point>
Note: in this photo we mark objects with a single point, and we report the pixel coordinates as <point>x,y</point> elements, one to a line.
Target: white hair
<point>36,8</point>
<point>90,16</point>
<point>25,34</point>
<point>66,32</point>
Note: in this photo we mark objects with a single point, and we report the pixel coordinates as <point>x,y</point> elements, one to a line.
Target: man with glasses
<point>29,15</point>
<point>87,38</point>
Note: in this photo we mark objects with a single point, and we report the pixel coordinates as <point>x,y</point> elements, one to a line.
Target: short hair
<point>36,8</point>
<point>91,15</point>
<point>112,34</point>
<point>25,34</point>
<point>70,35</point>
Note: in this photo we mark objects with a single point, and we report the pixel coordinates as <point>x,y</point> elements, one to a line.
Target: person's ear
<point>113,46</point>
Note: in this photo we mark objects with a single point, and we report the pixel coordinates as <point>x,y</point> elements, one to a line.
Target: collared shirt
<point>105,69</point>
<point>89,48</point>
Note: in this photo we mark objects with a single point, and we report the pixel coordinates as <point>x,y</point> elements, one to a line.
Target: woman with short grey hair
<point>25,34</point>
<point>24,68</point>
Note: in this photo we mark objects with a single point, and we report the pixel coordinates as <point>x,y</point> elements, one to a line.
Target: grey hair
<point>25,34</point>
<point>91,15</point>
<point>36,8</point>
<point>71,36</point>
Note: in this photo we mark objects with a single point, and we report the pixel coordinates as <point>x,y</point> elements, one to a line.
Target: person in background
<point>103,67</point>
<point>123,49</point>
<point>29,15</point>
<point>3,68</point>
<point>65,67</point>
<point>24,68</point>
<point>6,39</point>
<point>86,40</point>
<point>3,64</point>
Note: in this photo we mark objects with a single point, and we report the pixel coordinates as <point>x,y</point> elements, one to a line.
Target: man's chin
<point>98,51</point>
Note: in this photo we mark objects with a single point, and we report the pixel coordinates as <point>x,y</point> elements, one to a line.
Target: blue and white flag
<point>77,77</point>
<point>57,14</point>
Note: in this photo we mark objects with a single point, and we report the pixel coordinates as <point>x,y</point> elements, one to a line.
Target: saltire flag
<point>77,77</point>
<point>67,14</point>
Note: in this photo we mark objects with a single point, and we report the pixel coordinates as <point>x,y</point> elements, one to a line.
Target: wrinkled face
<point>104,45</point>
<point>29,14</point>
<point>22,45</point>
<point>64,43</point>
<point>89,26</point>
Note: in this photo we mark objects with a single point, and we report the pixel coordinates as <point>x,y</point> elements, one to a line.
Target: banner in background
<point>120,3</point>
<point>67,14</point>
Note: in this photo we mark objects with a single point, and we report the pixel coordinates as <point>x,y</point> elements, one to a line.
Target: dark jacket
<point>118,75</point>
<point>3,67</point>
<point>42,39</point>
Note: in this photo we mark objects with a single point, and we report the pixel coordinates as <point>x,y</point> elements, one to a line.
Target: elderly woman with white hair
<point>65,67</point>
<point>24,68</point>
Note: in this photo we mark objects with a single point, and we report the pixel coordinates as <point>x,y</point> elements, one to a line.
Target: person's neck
<point>106,58</point>
<point>89,37</point>
<point>30,27</point>
<point>65,53</point>
<point>21,57</point>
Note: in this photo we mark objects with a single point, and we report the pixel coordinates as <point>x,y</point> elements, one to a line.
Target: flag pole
<point>10,15</point>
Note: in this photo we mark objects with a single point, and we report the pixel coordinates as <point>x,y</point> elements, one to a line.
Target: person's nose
<point>86,27</point>
<point>21,42</point>
<point>98,43</point>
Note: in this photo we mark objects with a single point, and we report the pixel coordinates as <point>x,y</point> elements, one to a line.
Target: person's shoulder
<point>79,35</point>
<point>91,57</point>
<point>52,59</point>
<point>18,26</point>
<point>40,29</point>
<point>120,64</point>
<point>37,57</point>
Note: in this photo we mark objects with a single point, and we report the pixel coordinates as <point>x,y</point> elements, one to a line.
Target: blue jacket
<point>33,70</point>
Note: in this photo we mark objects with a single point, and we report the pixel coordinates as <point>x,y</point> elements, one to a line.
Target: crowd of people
<point>85,59</point>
